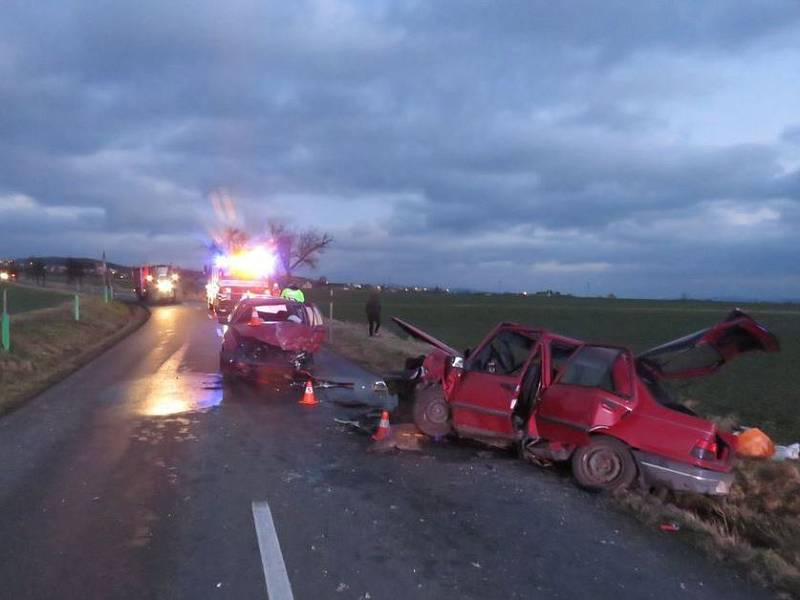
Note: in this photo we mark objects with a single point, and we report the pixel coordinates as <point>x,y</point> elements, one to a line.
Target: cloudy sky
<point>641,148</point>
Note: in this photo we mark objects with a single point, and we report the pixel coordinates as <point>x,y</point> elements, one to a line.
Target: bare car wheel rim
<point>436,412</point>
<point>603,465</point>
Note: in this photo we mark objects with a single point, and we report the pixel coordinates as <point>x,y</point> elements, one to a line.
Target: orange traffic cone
<point>255,320</point>
<point>382,432</point>
<point>309,399</point>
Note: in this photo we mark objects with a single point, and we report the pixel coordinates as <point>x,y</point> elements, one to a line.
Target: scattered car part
<point>754,443</point>
<point>791,452</point>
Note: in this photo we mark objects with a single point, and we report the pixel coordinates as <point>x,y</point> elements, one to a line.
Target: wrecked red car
<point>557,399</point>
<point>269,339</point>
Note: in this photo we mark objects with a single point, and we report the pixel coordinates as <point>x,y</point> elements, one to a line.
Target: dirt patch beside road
<point>47,344</point>
<point>383,354</point>
<point>756,527</point>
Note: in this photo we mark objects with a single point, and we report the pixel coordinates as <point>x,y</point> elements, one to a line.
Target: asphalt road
<point>136,478</point>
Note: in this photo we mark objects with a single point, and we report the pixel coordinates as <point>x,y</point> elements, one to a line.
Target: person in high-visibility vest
<point>293,293</point>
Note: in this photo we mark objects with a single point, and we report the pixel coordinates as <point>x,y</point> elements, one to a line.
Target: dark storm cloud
<point>536,144</point>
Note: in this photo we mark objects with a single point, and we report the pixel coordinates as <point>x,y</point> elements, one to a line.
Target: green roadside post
<point>77,307</point>
<point>105,293</point>
<point>5,327</point>
<point>330,319</point>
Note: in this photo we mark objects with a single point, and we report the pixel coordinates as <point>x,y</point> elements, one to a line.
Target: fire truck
<point>8,271</point>
<point>235,275</point>
<point>156,283</point>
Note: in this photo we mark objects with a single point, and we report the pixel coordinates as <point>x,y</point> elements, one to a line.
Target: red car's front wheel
<point>605,464</point>
<point>431,412</point>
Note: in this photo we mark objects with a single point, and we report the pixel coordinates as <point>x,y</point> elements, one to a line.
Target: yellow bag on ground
<point>754,443</point>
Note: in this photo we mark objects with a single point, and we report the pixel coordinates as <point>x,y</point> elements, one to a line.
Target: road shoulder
<point>47,345</point>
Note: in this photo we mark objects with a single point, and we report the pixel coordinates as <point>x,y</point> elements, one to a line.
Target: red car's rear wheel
<point>431,412</point>
<point>605,464</point>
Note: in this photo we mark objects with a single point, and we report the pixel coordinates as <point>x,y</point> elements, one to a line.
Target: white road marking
<point>278,586</point>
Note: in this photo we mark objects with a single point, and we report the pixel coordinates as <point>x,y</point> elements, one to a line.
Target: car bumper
<point>275,367</point>
<point>658,471</point>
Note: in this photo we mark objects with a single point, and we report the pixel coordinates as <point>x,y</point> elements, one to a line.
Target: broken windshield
<point>505,354</point>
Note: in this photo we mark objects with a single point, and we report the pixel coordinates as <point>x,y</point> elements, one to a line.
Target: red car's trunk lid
<point>704,351</point>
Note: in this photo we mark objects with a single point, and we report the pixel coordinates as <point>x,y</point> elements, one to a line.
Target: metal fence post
<point>330,319</point>
<point>5,334</point>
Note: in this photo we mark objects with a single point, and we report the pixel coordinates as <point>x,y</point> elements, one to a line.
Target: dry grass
<point>381,355</point>
<point>757,526</point>
<point>47,344</point>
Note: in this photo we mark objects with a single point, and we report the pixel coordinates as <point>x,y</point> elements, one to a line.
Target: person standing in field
<point>374,311</point>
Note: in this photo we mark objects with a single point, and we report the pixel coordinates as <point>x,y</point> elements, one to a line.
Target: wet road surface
<point>137,476</point>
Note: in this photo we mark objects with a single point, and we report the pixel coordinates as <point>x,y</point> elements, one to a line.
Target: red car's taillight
<point>705,450</point>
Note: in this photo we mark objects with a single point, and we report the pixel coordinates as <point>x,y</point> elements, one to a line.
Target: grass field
<point>47,344</point>
<point>758,389</point>
<point>24,299</point>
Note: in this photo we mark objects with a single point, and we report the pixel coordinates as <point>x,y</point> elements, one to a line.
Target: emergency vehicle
<point>9,271</point>
<point>236,275</point>
<point>156,283</point>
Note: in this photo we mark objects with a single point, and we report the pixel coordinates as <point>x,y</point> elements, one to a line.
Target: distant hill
<point>61,261</point>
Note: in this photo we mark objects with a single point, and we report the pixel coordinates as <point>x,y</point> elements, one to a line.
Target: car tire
<point>431,411</point>
<point>605,464</point>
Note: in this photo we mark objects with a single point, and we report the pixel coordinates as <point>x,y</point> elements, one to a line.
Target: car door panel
<point>488,389</point>
<point>594,391</point>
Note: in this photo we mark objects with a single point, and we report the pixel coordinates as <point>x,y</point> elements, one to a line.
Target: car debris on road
<point>790,452</point>
<point>599,406</point>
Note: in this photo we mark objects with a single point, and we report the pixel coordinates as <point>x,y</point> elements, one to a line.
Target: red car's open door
<point>417,333</point>
<point>487,392</point>
<point>704,351</point>
<point>594,390</point>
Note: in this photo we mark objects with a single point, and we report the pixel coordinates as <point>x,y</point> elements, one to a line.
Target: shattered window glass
<point>595,366</point>
<point>505,354</point>
<point>559,355</point>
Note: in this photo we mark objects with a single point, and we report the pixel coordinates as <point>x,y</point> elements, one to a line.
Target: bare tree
<point>234,239</point>
<point>298,248</point>
<point>295,248</point>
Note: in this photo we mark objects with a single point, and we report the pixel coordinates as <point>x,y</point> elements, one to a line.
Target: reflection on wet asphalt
<point>175,389</point>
